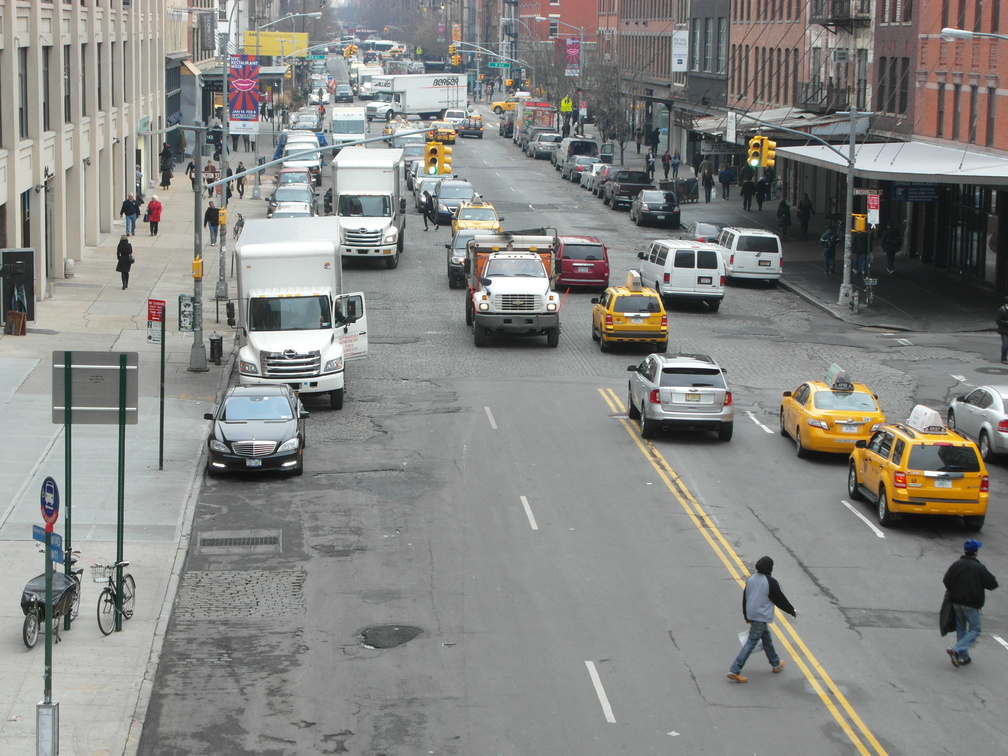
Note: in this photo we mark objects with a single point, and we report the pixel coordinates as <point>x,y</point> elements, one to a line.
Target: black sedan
<point>451,193</point>
<point>655,206</point>
<point>257,428</point>
<point>343,93</point>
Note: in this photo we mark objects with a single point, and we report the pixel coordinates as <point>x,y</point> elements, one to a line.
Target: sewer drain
<point>240,542</point>
<point>387,636</point>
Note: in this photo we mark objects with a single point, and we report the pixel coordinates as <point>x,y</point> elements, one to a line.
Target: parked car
<point>582,261</point>
<point>604,175</point>
<point>506,128</point>
<point>291,210</point>
<point>257,427</point>
<point>543,144</point>
<point>656,207</point>
<point>623,187</point>
<point>684,270</point>
<point>574,145</point>
<point>471,127</point>
<point>751,253</point>
<point>680,391</point>
<point>704,231</point>
<point>982,414</point>
<point>588,177</point>
<point>575,165</point>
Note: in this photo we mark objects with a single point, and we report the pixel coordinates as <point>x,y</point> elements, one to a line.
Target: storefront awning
<point>830,125</point>
<point>188,65</point>
<point>908,161</point>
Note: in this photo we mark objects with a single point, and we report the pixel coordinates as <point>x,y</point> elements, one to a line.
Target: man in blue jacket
<point>759,597</point>
<point>966,580</point>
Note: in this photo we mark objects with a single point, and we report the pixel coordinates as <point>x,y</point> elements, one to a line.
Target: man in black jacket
<point>1001,320</point>
<point>966,580</point>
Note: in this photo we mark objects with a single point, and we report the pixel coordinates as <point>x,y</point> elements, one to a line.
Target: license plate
<point>849,428</point>
<point>704,279</point>
<point>943,483</point>
<point>659,217</point>
<point>637,319</point>
<point>692,397</point>
<point>764,263</point>
<point>253,463</point>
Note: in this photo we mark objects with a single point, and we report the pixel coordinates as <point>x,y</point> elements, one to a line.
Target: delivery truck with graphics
<point>423,95</point>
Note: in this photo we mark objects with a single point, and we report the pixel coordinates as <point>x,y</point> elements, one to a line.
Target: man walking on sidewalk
<point>760,595</point>
<point>725,179</point>
<point>966,580</point>
<point>211,220</point>
<point>130,210</point>
<point>1001,319</point>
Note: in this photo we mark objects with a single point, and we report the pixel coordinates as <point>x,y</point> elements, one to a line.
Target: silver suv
<point>680,391</point>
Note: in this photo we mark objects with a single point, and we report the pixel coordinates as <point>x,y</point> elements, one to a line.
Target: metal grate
<point>253,448</point>
<point>246,541</point>
<point>518,303</point>
<point>240,542</point>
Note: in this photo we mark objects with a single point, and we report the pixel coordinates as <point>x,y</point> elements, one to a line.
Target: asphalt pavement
<point>103,683</point>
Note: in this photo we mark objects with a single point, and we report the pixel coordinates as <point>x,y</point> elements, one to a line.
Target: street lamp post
<point>950,35</point>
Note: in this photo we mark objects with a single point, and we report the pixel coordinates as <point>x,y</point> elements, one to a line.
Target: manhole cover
<point>387,636</point>
<point>992,371</point>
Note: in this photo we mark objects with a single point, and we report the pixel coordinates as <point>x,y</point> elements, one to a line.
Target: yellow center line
<point>806,661</point>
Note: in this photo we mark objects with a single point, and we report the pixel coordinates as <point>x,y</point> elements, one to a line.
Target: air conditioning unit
<point>607,32</point>
<point>841,56</point>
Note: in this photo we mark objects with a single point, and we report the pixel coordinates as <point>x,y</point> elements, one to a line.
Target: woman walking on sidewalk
<point>154,214</point>
<point>783,217</point>
<point>124,256</point>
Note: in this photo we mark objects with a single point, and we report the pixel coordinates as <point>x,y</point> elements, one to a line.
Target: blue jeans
<point>213,234</point>
<point>758,631</point>
<point>130,224</point>
<point>967,629</point>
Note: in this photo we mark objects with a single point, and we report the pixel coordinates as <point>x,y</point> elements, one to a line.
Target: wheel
<point>783,428</point>
<point>714,306</point>
<point>498,110</point>
<point>852,483</point>
<point>603,345</point>
<point>951,420</point>
<point>336,399</point>
<point>553,338</point>
<point>725,432</point>
<point>605,199</point>
<point>129,595</point>
<point>452,283</point>
<point>469,311</point>
<point>632,412</point>
<point>975,522</point>
<point>800,450</point>
<point>661,346</point>
<point>885,516</point>
<point>75,606</point>
<point>637,221</point>
<point>479,336</point>
<point>984,445</point>
<point>392,262</point>
<point>647,428</point>
<point>106,612</point>
<point>299,470</point>
<point>595,334</point>
<point>30,629</point>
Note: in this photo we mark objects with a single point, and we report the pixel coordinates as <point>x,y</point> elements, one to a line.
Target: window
<point>112,78</point>
<point>23,92</point>
<point>883,67</point>
<point>940,126</point>
<point>708,51</point>
<point>66,84</point>
<point>974,90</point>
<point>101,99</point>
<point>83,77</point>
<point>961,15</point>
<point>991,97</point>
<point>977,14</point>
<point>904,85</point>
<point>945,13</point>
<point>907,11</point>
<point>956,104</point>
<point>722,44</point>
<point>554,25</point>
<point>695,47</point>
<point>995,16</point>
<point>45,88</point>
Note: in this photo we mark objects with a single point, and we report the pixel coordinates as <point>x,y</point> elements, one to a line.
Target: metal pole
<point>47,670</point>
<point>197,355</point>
<point>67,463</point>
<point>845,287</point>
<point>221,292</point>
<point>255,187</point>
<point>121,513</point>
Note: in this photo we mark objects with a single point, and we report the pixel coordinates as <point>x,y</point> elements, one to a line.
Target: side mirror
<point>594,300</point>
<point>467,266</point>
<point>631,368</point>
<point>402,204</point>
<point>229,308</point>
<point>447,246</point>
<point>642,255</point>
<point>303,414</point>
<point>958,398</point>
<point>860,444</point>
<point>208,415</point>
<point>501,217</point>
<point>787,394</point>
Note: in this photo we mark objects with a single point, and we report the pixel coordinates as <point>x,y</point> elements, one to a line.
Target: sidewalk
<point>102,684</point>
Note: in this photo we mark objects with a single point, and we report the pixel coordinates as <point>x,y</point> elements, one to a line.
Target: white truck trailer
<point>348,126</point>
<point>295,324</point>
<point>370,203</point>
<point>423,95</point>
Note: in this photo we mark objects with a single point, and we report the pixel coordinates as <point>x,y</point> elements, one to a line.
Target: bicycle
<point>239,225</point>
<point>108,600</point>
<point>864,296</point>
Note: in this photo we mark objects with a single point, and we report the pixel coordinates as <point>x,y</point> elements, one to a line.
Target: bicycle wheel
<point>106,611</point>
<point>30,630</point>
<point>129,595</point>
<point>75,606</point>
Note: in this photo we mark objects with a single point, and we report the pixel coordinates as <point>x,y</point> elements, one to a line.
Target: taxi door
<point>793,407</point>
<point>875,461</point>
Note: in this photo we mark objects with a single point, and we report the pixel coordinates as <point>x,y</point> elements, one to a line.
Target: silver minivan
<point>751,253</point>
<point>684,270</point>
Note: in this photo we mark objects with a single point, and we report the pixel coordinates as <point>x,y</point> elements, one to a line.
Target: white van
<point>680,269</point>
<point>751,253</point>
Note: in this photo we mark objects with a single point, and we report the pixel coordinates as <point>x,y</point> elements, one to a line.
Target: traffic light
<point>755,158</point>
<point>432,158</point>
<point>769,153</point>
<point>456,60</point>
<point>444,159</point>
<point>451,50</point>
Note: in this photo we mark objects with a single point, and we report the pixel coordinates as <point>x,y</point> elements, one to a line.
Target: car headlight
<point>391,236</point>
<point>249,368</point>
<point>484,306</point>
<point>217,446</point>
<point>288,446</point>
<point>551,307</point>
<point>333,366</point>
<point>457,259</point>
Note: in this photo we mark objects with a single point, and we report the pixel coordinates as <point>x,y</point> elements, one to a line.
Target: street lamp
<point>950,35</point>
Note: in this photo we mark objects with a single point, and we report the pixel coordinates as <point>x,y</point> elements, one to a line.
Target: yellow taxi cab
<point>390,128</point>
<point>629,314</point>
<point>830,415</point>
<point>508,104</point>
<point>920,467</point>
<point>441,131</point>
<point>476,214</point>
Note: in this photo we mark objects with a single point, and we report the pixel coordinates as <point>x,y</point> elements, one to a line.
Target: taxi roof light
<point>633,281</point>
<point>926,420</point>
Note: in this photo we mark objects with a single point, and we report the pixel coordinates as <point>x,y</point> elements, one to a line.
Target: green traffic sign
<point>498,64</point>
<point>315,57</point>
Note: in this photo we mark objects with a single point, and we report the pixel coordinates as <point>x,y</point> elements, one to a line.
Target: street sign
<point>50,502</point>
<point>315,57</point>
<point>55,543</point>
<point>94,387</point>
<point>498,64</point>
<point>155,317</point>
<point>873,210</point>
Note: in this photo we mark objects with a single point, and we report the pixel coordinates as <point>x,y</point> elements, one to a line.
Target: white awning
<point>908,161</point>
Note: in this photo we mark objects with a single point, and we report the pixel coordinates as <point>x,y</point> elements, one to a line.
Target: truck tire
<point>392,262</point>
<point>480,336</point>
<point>452,283</point>
<point>336,399</point>
<point>469,309</point>
<point>553,338</point>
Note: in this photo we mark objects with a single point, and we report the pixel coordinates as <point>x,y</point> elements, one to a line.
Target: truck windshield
<point>289,313</point>
<point>383,97</point>
<point>364,206</point>
<point>525,268</point>
<point>348,126</point>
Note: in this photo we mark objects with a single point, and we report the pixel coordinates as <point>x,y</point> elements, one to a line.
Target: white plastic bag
<point>743,637</point>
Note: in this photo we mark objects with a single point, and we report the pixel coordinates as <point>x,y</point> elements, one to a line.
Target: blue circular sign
<point>50,501</point>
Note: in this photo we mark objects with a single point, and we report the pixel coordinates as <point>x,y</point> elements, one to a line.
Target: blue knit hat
<point>972,546</point>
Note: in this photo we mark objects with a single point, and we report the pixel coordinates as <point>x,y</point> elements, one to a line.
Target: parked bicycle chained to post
<point>65,601</point>
<point>109,606</point>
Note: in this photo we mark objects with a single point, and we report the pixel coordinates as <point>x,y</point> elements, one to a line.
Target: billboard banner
<point>572,57</point>
<point>243,94</point>
<point>680,50</point>
<point>276,43</point>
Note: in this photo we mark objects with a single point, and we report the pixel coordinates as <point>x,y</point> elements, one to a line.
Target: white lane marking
<point>863,519</point>
<point>490,418</point>
<point>600,692</point>
<point>528,513</point>
<point>752,415</point>
<point>904,342</point>
<point>1000,640</point>
<point>961,379</point>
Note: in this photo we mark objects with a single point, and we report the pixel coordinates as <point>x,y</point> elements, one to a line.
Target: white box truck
<point>423,95</point>
<point>295,324</point>
<point>370,203</point>
<point>365,80</point>
<point>348,125</point>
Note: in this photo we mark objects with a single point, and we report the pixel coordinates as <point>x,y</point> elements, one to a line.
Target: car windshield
<point>289,313</point>
<point>943,458</point>
<point>294,177</point>
<point>477,213</point>
<point>859,401</point>
<point>636,303</point>
<point>241,409</point>
<point>364,205</point>
<point>524,268</point>
<point>582,251</point>
<point>681,377</point>
<point>455,191</point>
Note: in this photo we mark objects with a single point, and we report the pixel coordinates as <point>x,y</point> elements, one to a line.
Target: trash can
<point>216,348</point>
<point>666,185</point>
